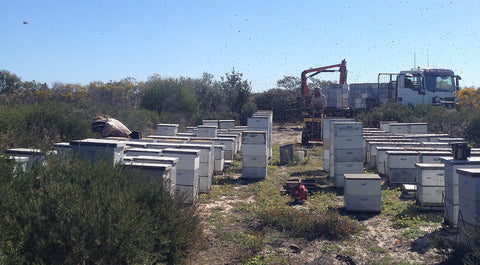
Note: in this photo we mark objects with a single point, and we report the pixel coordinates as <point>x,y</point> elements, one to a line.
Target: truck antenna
<point>414,60</point>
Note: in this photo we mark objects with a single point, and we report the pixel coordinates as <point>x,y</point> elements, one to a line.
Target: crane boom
<point>342,68</point>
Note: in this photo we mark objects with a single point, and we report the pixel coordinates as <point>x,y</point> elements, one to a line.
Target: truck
<point>432,86</point>
<point>429,86</point>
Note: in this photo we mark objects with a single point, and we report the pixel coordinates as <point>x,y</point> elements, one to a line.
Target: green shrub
<point>76,213</point>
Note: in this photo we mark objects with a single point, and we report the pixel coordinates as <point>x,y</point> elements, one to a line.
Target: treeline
<point>67,109</point>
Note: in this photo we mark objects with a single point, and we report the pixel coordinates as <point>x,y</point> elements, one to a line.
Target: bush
<point>76,213</point>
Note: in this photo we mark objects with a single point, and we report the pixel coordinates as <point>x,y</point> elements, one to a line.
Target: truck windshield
<point>440,83</point>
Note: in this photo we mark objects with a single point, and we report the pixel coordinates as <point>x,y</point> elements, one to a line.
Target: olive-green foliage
<point>75,213</point>
<point>464,123</point>
<point>40,125</point>
<point>283,103</point>
<point>170,96</point>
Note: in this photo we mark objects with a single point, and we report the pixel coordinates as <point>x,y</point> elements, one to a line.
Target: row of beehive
<point>188,162</point>
<point>343,158</point>
<point>431,167</point>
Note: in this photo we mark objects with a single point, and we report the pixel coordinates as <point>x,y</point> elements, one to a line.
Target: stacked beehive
<point>469,204</point>
<point>254,154</point>
<point>452,195</point>
<point>207,131</point>
<point>430,183</point>
<point>346,150</point>
<point>262,121</point>
<point>326,130</point>
<point>362,192</point>
<point>187,178</point>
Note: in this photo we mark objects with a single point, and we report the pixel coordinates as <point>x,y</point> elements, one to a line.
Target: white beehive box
<point>418,128</point>
<point>254,137</point>
<point>207,131</point>
<point>143,152</point>
<point>167,129</point>
<point>210,122</point>
<point>385,125</point>
<point>399,128</point>
<point>155,172</point>
<point>188,159</point>
<point>469,186</point>
<point>348,128</point>
<point>254,150</point>
<point>255,161</point>
<point>362,192</point>
<point>381,158</point>
<point>402,159</point>
<point>226,124</point>
<point>430,196</point>
<point>430,174</point>
<point>99,148</point>
<point>469,183</point>
<point>254,172</point>
<point>33,155</point>
<point>433,157</point>
<point>342,168</point>
<point>347,155</point>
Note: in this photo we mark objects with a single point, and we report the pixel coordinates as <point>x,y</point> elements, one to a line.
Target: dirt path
<point>378,243</point>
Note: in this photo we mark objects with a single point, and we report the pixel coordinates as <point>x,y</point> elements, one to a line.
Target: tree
<point>468,98</point>
<point>9,82</point>
<point>238,94</point>
<point>283,102</point>
<point>169,96</point>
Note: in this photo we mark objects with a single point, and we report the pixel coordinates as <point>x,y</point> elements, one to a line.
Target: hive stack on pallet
<point>346,150</point>
<point>430,181</point>
<point>187,172</point>
<point>451,186</point>
<point>172,161</point>
<point>469,204</point>
<point>326,130</point>
<point>262,120</point>
<point>254,154</point>
<point>167,129</point>
<point>362,192</point>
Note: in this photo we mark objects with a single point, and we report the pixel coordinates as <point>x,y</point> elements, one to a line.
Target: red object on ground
<point>299,193</point>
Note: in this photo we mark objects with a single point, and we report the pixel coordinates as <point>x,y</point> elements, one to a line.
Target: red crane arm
<point>342,68</point>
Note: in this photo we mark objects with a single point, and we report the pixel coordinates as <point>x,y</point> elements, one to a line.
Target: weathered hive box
<point>262,123</point>
<point>167,129</point>
<point>469,204</point>
<point>93,149</point>
<point>143,152</point>
<point>207,131</point>
<point>346,150</point>
<point>254,154</point>
<point>433,157</point>
<point>33,155</point>
<point>155,172</point>
<point>381,158</point>
<point>236,140</point>
<point>362,192</point>
<point>157,138</point>
<point>385,125</point>
<point>226,124</point>
<point>451,140</point>
<point>21,163</point>
<point>430,182</point>
<point>401,166</point>
<point>326,130</point>
<point>187,181</point>
<point>63,148</point>
<point>210,122</point>
<point>158,160</point>
<point>452,195</point>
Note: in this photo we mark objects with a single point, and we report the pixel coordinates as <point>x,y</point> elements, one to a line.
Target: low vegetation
<point>71,212</point>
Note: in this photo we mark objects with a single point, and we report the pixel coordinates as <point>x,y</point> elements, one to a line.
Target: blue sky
<point>83,41</point>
